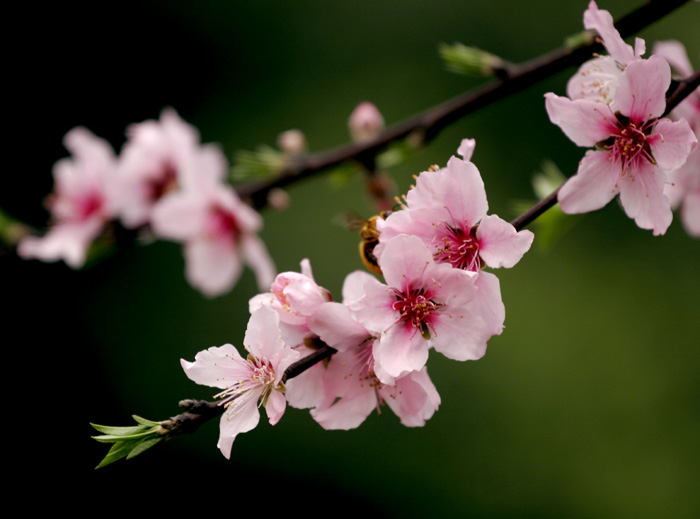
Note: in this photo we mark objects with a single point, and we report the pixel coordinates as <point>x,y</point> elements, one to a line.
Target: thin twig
<point>428,124</point>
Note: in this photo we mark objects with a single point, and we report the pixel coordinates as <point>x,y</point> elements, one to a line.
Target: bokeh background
<point>588,405</point>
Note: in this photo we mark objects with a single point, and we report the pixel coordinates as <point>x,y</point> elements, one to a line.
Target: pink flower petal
<point>643,199</point>
<point>690,213</point>
<point>179,216</point>
<point>500,245</point>
<point>276,404</point>
<point>602,22</point>
<point>460,335</point>
<point>218,366</point>
<point>641,92</point>
<point>67,241</point>
<point>262,336</point>
<point>245,418</point>
<point>593,186</point>
<point>674,145</point>
<point>335,326</point>
<point>466,148</point>
<point>405,257</point>
<point>457,189</point>
<point>596,80</point>
<point>212,266</point>
<point>354,286</point>
<point>347,413</point>
<point>488,304</point>
<point>414,398</point>
<point>674,52</point>
<point>401,350</point>
<point>584,122</point>
<point>258,258</point>
<point>307,389</point>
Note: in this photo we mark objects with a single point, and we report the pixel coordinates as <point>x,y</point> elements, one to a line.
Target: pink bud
<point>366,122</point>
<point>279,199</point>
<point>292,141</point>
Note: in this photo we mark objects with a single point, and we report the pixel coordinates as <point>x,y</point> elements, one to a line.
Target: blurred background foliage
<point>588,405</point>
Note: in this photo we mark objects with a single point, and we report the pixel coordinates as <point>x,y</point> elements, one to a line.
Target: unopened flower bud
<point>279,199</point>
<point>292,141</point>
<point>366,122</point>
<point>470,61</point>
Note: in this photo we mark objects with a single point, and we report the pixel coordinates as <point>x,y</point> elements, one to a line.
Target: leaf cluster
<point>128,441</point>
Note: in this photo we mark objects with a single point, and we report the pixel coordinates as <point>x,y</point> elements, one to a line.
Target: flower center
<point>88,205</point>
<point>415,308</point>
<point>261,372</point>
<point>163,183</point>
<point>222,223</point>
<point>362,366</point>
<point>629,145</point>
<point>259,383</point>
<point>459,247</point>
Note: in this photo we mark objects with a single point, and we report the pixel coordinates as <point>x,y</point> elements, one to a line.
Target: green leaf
<point>116,452</point>
<point>143,446</point>
<point>144,421</point>
<point>124,437</point>
<point>128,441</point>
<point>118,431</point>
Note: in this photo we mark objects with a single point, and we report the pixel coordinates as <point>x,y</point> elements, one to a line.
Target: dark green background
<point>588,405</point>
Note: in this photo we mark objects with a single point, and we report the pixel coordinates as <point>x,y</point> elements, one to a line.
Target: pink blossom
<point>219,231</point>
<point>332,324</point>
<point>683,191</point>
<point>246,383</point>
<point>423,305</point>
<point>348,387</point>
<point>683,186</point>
<point>447,210</point>
<point>295,297</point>
<point>689,109</point>
<point>152,162</point>
<point>635,149</point>
<point>82,203</point>
<point>597,79</point>
<point>412,397</point>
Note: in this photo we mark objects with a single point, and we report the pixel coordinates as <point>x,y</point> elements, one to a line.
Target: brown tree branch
<point>428,124</point>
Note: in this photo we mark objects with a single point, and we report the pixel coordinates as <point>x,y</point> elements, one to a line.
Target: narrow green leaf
<point>143,446</point>
<point>108,438</point>
<point>117,452</point>
<point>144,421</point>
<point>118,431</point>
